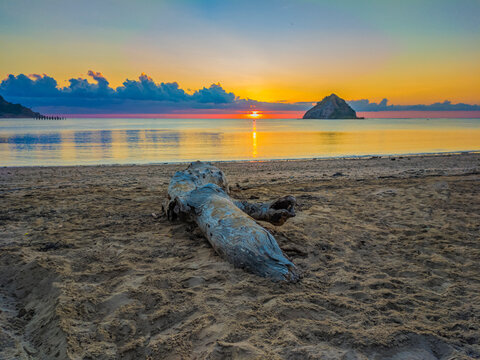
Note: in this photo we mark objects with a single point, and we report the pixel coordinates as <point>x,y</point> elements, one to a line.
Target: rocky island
<point>10,110</point>
<point>331,107</point>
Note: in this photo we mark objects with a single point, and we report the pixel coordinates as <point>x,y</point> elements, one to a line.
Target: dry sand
<point>389,251</point>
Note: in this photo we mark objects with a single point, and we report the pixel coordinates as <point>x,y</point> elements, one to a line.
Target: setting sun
<point>255,114</point>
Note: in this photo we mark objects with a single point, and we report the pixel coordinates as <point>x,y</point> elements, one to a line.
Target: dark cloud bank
<point>41,92</point>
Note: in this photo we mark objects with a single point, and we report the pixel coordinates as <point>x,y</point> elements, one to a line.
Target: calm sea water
<point>119,141</point>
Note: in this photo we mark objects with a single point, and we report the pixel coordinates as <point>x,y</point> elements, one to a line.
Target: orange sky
<point>409,52</point>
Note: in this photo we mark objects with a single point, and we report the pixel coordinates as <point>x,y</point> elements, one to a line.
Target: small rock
<point>337,174</point>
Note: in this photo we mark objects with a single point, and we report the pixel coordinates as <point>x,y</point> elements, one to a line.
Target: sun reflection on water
<point>78,142</point>
<point>254,136</point>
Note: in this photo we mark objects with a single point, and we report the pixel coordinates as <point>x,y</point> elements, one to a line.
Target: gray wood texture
<point>200,194</point>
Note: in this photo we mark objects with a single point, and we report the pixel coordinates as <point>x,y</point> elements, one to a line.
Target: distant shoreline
<point>292,115</point>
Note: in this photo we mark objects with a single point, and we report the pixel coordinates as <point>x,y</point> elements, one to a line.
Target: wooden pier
<point>43,117</point>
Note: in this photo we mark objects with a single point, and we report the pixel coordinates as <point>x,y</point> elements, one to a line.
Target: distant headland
<point>10,110</point>
<point>17,111</point>
<point>331,107</point>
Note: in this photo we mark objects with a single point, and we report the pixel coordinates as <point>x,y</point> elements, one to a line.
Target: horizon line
<point>266,115</point>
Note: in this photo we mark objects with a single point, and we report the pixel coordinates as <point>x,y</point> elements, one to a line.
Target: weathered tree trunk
<point>200,194</point>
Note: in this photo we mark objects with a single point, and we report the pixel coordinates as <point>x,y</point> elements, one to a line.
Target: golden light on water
<point>236,139</point>
<point>254,137</point>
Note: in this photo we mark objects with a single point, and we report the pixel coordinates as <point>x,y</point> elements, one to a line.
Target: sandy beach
<point>388,247</point>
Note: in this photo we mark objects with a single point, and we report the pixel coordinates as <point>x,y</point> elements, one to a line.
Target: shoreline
<point>343,157</point>
<point>388,248</point>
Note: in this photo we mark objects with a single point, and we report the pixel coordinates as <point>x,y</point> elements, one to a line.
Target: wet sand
<point>389,249</point>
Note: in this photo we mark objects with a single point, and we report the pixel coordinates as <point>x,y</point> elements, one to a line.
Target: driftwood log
<point>200,194</point>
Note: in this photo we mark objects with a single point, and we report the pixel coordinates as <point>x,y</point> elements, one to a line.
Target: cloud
<point>97,76</point>
<point>144,95</point>
<point>366,105</point>
<point>81,88</point>
<point>146,89</point>
<point>32,85</point>
<point>214,94</point>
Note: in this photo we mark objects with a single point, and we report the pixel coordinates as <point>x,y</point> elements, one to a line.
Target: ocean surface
<point>139,141</point>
